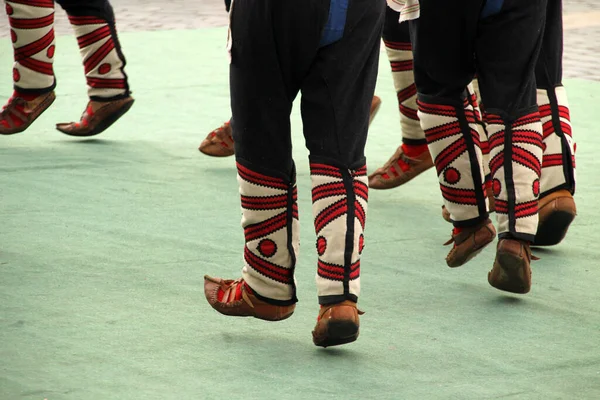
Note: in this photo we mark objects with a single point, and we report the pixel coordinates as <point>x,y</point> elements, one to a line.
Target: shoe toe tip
<point>211,286</point>
<point>204,145</point>
<point>212,280</point>
<point>65,127</point>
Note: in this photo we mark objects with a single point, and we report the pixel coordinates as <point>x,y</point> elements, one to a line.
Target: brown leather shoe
<point>218,143</point>
<point>97,117</point>
<point>337,324</point>
<point>491,207</point>
<point>512,270</point>
<point>248,305</point>
<point>18,114</point>
<point>469,243</point>
<point>375,105</point>
<point>391,175</point>
<point>556,212</point>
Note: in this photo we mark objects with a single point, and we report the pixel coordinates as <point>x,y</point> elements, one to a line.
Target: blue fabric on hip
<point>334,29</point>
<point>491,7</point>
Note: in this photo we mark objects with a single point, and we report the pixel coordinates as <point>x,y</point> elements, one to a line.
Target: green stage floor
<point>104,244</point>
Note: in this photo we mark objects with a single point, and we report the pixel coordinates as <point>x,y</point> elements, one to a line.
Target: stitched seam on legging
<point>566,149</point>
<point>475,167</point>
<point>508,176</point>
<point>349,243</point>
<point>290,231</point>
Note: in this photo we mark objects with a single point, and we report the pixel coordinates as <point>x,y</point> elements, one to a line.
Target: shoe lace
<point>12,101</point>
<point>221,128</point>
<point>402,161</point>
<point>231,292</point>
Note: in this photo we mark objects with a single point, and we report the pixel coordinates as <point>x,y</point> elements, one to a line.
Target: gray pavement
<point>582,23</point>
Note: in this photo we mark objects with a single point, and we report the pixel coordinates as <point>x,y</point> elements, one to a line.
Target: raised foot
<point>512,270</point>
<point>469,242</point>
<point>18,114</point>
<point>556,213</point>
<point>218,143</point>
<point>337,324</point>
<point>400,169</point>
<point>236,298</point>
<point>97,117</point>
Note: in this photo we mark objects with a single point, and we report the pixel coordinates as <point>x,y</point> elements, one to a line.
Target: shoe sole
<point>271,319</point>
<point>232,312</point>
<point>208,153</point>
<point>105,123</point>
<point>44,105</point>
<point>338,333</point>
<point>554,229</point>
<point>516,274</point>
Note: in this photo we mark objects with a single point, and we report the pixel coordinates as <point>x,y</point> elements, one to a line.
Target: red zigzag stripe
<point>100,83</point>
<point>38,66</point>
<point>266,227</point>
<point>407,93</point>
<point>476,137</point>
<point>359,213</point>
<point>99,55</point>
<point>548,128</point>
<point>268,269</point>
<point>527,137</point>
<point>552,160</point>
<point>401,66</point>
<point>526,119</point>
<point>501,206</point>
<point>330,213</point>
<point>31,23</point>
<point>566,128</point>
<point>493,119</point>
<point>470,115</point>
<point>442,131</point>
<point>260,179</point>
<point>526,158</point>
<point>459,196</point>
<point>527,209</point>
<point>35,3</point>
<point>409,112</point>
<point>485,147</point>
<point>328,190</point>
<point>93,37</point>
<point>361,190</point>
<point>335,272</point>
<point>546,111</point>
<point>404,46</point>
<point>265,202</point>
<point>86,21</point>
<point>496,162</point>
<point>33,48</point>
<point>449,154</point>
<point>362,171</point>
<point>437,109</point>
<point>496,140</point>
<point>325,170</point>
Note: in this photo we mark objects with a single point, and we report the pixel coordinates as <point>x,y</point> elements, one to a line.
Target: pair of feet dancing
<point>32,35</point>
<point>517,162</point>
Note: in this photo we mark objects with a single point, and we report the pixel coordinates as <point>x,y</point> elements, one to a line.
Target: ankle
<point>456,231</point>
<point>27,96</point>
<point>414,150</point>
